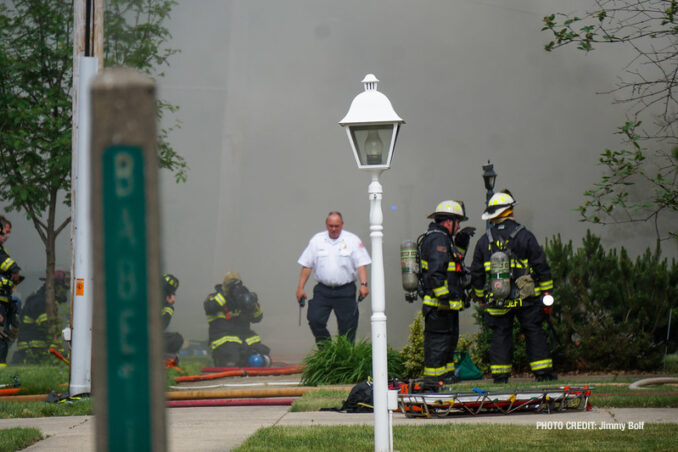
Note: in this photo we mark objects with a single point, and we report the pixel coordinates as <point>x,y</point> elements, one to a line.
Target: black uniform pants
<point>8,311</point>
<point>531,318</point>
<point>236,352</point>
<point>341,300</point>
<point>441,334</point>
<point>173,342</point>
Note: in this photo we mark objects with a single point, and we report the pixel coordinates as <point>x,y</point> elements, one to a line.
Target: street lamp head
<point>489,176</point>
<point>372,127</point>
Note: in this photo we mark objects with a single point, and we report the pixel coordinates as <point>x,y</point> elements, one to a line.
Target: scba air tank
<point>500,275</point>
<point>408,265</point>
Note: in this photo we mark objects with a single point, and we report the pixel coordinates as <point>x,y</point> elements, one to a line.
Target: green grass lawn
<point>37,379</point>
<point>18,438</point>
<point>463,437</point>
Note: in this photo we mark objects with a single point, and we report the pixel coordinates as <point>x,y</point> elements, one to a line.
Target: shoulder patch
<point>441,249</point>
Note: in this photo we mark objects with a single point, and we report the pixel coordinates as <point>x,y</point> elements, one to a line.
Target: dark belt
<point>340,286</point>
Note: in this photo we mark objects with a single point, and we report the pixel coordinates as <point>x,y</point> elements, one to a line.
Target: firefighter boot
<point>450,378</point>
<point>431,384</point>
<point>501,379</point>
<point>546,376</point>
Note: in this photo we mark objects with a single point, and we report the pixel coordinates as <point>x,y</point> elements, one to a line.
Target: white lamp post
<point>372,128</point>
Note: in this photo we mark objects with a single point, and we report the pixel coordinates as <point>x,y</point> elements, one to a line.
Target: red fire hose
<point>285,401</point>
<point>59,355</point>
<point>256,371</point>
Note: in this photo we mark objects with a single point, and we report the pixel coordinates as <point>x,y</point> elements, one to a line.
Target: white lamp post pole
<point>372,129</point>
<point>382,439</point>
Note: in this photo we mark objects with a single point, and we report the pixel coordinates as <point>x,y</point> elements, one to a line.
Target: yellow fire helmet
<point>499,203</point>
<point>229,279</point>
<point>450,208</point>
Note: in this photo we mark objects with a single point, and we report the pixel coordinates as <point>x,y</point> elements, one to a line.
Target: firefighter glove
<point>463,237</point>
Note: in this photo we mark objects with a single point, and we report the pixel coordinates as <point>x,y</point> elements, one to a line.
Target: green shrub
<point>671,363</point>
<point>338,361</point>
<point>412,354</point>
<point>611,313</point>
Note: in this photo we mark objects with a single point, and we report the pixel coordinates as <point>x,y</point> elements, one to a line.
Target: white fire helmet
<point>452,208</point>
<point>499,203</point>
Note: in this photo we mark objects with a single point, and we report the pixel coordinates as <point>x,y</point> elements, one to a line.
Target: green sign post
<point>128,375</point>
<point>125,256</point>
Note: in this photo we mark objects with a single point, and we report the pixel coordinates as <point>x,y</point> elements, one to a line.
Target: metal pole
<point>81,334</point>
<point>88,18</point>
<point>382,442</point>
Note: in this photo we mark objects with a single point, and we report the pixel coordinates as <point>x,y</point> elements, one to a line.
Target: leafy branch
<point>648,87</point>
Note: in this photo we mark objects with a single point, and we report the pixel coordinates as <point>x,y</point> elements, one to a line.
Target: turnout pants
<point>173,342</point>
<point>8,327</point>
<point>236,348</point>
<point>441,334</point>
<point>530,317</point>
<point>341,300</point>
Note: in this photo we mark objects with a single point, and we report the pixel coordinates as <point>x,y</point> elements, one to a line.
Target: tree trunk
<point>50,252</point>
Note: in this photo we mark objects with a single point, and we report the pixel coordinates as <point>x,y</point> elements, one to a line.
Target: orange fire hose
<point>25,398</point>
<point>238,393</point>
<point>242,373</point>
<point>10,391</point>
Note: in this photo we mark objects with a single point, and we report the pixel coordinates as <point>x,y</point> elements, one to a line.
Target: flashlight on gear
<point>547,300</point>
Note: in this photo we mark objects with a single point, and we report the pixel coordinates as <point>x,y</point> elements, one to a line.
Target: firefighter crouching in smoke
<point>34,340</point>
<point>442,249</point>
<point>230,310</point>
<point>510,277</point>
<point>173,340</point>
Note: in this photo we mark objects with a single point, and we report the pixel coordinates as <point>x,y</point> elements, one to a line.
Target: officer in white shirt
<point>336,258</point>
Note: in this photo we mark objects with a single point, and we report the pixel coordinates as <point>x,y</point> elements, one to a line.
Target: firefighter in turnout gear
<point>173,341</point>
<point>442,249</point>
<point>10,276</point>
<point>34,341</point>
<point>510,276</point>
<point>230,310</point>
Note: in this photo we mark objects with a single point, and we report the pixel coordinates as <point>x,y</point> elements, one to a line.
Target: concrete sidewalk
<point>224,428</point>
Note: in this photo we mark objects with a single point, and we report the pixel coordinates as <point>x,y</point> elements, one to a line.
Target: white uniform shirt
<point>335,262</point>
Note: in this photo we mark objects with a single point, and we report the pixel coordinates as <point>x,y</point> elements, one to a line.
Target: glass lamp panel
<point>372,143</point>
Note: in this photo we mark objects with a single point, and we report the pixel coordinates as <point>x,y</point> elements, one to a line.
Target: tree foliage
<point>612,311</point>
<point>36,85</point>
<point>135,34</point>
<point>640,182</point>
